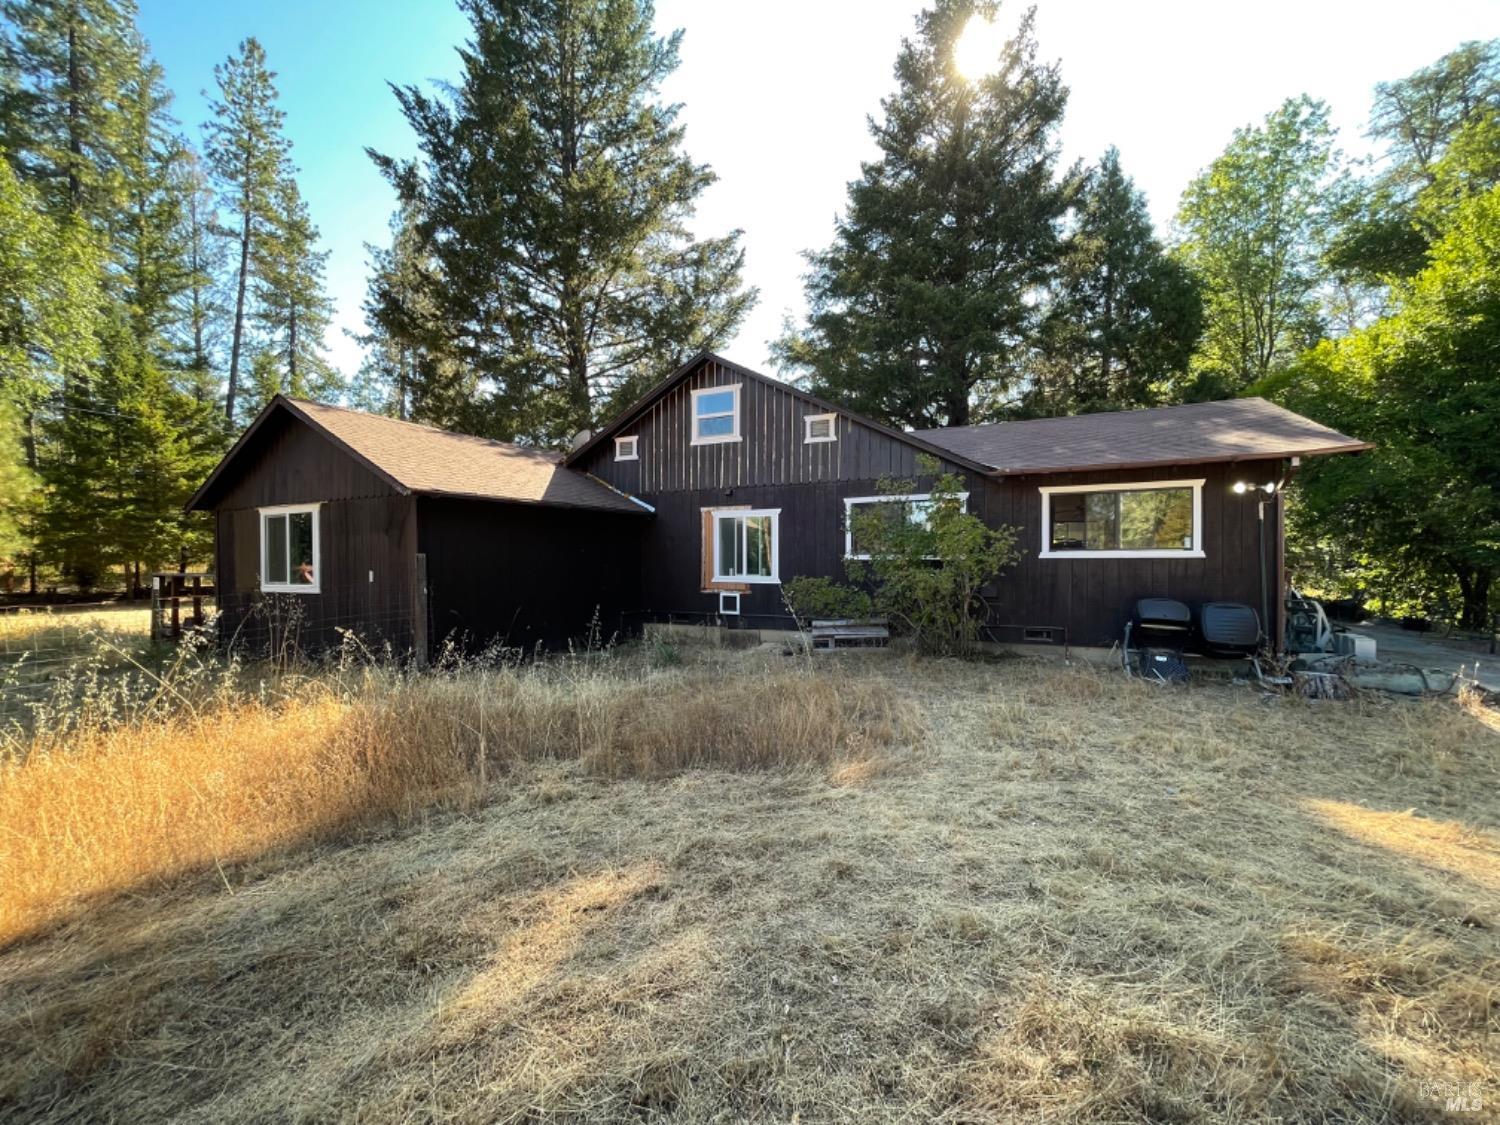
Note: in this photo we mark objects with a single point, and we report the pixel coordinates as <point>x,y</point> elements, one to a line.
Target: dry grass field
<point>754,888</point>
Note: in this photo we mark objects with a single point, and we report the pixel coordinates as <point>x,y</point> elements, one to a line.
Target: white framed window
<point>819,427</point>
<point>747,544</point>
<point>729,603</point>
<point>716,415</point>
<point>291,554</point>
<point>916,508</point>
<point>1158,519</point>
<point>627,448</point>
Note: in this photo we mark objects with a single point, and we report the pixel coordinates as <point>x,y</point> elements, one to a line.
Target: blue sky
<point>775,96</point>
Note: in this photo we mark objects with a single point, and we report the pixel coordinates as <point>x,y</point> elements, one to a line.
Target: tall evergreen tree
<point>248,157</point>
<point>62,118</point>
<point>554,198</point>
<point>1254,226</point>
<point>925,300</point>
<point>394,320</point>
<point>1124,316</point>
<point>292,309</point>
<point>201,311</point>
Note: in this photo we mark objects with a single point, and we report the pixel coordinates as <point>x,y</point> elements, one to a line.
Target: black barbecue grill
<point>1228,629</point>
<point>1155,637</point>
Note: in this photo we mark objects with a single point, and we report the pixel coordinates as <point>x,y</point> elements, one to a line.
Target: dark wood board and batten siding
<point>1082,601</point>
<point>772,449</point>
<point>771,466</point>
<point>367,539</point>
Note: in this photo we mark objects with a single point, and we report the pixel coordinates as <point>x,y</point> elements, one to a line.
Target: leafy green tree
<point>554,196</point>
<point>1124,316</point>
<point>1422,384</point>
<point>1384,228</point>
<point>1253,228</point>
<point>925,298</point>
<point>248,158</point>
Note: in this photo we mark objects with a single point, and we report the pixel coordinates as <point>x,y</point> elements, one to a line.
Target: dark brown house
<point>697,502</point>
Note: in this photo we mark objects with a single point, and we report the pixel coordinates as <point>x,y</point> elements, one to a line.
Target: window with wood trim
<point>819,427</point>
<point>716,415</point>
<point>290,551</point>
<point>1148,519</point>
<point>627,448</point>
<point>745,545</point>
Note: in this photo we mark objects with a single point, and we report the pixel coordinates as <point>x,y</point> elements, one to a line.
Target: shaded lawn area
<point>1072,898</point>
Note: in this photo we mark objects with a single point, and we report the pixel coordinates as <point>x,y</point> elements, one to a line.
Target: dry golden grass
<point>1005,891</point>
<point>47,628</point>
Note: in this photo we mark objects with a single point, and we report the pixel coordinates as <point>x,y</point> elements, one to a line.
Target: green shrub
<point>929,560</point>
<point>823,599</point>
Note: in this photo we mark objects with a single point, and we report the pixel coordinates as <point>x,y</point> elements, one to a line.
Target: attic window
<point>819,427</point>
<point>290,554</point>
<point>625,448</point>
<point>716,415</point>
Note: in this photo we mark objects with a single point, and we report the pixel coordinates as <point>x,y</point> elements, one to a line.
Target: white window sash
<point>733,413</point>
<point>809,420</point>
<point>290,587</point>
<point>739,516</point>
<point>1196,552</point>
<point>851,502</point>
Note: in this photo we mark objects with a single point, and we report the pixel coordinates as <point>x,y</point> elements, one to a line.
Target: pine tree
<point>925,299</point>
<point>554,198</point>
<point>1124,316</point>
<point>201,312</point>
<point>73,58</point>
<point>248,157</point>
<point>291,307</point>
<point>1254,227</point>
<point>406,372</point>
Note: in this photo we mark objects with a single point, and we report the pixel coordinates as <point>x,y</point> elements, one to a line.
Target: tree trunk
<point>75,116</point>
<point>1474,585</point>
<point>291,352</point>
<point>239,317</point>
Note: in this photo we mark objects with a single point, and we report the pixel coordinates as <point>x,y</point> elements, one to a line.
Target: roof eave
<point>1164,462</point>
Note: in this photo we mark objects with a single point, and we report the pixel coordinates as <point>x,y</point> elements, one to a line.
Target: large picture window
<point>915,509</point>
<point>1155,519</point>
<point>716,415</point>
<point>745,545</point>
<point>290,557</point>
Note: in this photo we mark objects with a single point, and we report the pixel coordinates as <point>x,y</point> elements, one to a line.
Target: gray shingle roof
<point>425,459</point>
<point>1241,429</point>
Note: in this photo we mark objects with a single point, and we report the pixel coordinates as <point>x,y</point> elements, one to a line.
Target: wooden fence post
<point>419,611</point>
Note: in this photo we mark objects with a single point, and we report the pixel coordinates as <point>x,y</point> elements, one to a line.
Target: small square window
<point>729,604</point>
<point>716,415</point>
<point>626,448</point>
<point>820,427</point>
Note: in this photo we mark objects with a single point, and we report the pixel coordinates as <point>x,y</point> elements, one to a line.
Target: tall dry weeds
<point>236,770</point>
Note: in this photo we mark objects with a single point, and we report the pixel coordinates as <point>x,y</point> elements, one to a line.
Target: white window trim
<point>635,448</point>
<point>807,425</point>
<point>743,514</point>
<point>1133,486</point>
<point>729,603</point>
<point>316,586</point>
<point>850,501</point>
<point>716,439</point>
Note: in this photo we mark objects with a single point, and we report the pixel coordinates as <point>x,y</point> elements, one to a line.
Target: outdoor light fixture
<point>1242,487</point>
